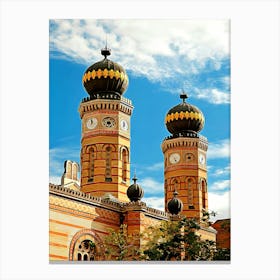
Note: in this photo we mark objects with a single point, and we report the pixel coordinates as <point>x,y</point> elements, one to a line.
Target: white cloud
<point>55,180</point>
<point>156,49</point>
<point>57,156</point>
<point>155,166</point>
<point>214,96</point>
<point>155,202</point>
<point>151,186</point>
<point>220,185</point>
<point>220,149</point>
<point>219,203</point>
<point>221,171</point>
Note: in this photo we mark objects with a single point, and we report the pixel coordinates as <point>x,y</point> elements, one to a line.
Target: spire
<point>183,96</point>
<point>106,51</point>
<point>134,178</point>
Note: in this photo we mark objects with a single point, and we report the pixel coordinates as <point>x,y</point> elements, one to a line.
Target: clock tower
<point>105,116</point>
<point>185,170</point>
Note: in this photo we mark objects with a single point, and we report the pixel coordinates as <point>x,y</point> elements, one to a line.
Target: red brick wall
<point>223,233</point>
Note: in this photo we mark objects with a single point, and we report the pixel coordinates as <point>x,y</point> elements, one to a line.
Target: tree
<point>119,245</point>
<point>176,240</point>
<point>169,240</point>
<point>222,254</point>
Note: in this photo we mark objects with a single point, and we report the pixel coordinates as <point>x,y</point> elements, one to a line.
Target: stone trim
<point>83,234</point>
<point>119,207</point>
<point>83,197</point>
<point>184,142</point>
<point>124,105</point>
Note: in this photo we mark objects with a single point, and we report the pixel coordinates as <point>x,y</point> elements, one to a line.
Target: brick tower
<point>184,152</point>
<point>105,143</point>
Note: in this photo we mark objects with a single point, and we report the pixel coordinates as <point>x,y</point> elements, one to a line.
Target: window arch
<point>108,160</point>
<point>86,250</point>
<point>96,252</point>
<point>79,257</point>
<point>174,185</point>
<point>91,165</point>
<point>190,184</point>
<point>124,157</point>
<point>204,194</point>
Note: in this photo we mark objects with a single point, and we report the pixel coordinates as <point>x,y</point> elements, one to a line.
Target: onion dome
<point>184,119</point>
<point>135,192</point>
<point>105,77</point>
<point>175,205</point>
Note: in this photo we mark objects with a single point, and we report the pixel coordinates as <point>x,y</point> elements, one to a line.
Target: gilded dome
<point>105,77</point>
<point>184,118</point>
<point>175,205</point>
<point>135,192</point>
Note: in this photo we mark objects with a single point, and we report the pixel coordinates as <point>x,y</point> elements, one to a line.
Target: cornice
<point>190,142</point>
<point>122,105</point>
<point>119,207</point>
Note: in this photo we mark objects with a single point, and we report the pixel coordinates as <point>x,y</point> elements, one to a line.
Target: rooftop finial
<point>183,96</point>
<point>134,178</point>
<point>175,193</point>
<point>105,51</point>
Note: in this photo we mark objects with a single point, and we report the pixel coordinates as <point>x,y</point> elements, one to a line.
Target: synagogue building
<point>83,209</point>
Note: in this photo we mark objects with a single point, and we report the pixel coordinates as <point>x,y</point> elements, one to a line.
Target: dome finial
<point>106,51</point>
<point>135,192</point>
<point>134,178</point>
<point>175,205</point>
<point>183,96</point>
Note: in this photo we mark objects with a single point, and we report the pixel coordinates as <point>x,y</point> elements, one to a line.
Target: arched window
<point>204,192</point>
<point>91,165</point>
<point>174,185</point>
<point>86,251</point>
<point>190,193</point>
<point>79,256</point>
<point>108,157</point>
<point>124,165</point>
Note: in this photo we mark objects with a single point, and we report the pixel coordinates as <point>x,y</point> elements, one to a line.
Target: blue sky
<point>161,58</point>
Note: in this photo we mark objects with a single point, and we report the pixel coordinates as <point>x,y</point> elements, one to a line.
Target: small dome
<point>184,118</point>
<point>105,77</point>
<point>135,192</point>
<point>175,205</point>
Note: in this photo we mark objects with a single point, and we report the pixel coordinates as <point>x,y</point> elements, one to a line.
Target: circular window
<point>108,122</point>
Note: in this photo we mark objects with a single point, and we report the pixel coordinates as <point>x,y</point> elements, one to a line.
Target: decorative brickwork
<point>86,234</point>
<point>223,233</point>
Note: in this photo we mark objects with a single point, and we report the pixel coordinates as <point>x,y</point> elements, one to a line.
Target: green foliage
<point>177,240</point>
<point>91,244</point>
<point>169,240</point>
<point>222,254</point>
<point>120,246</point>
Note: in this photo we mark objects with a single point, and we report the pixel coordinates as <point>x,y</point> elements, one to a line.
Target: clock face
<point>174,158</point>
<point>201,158</point>
<point>108,122</point>
<point>124,125</point>
<point>91,123</point>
